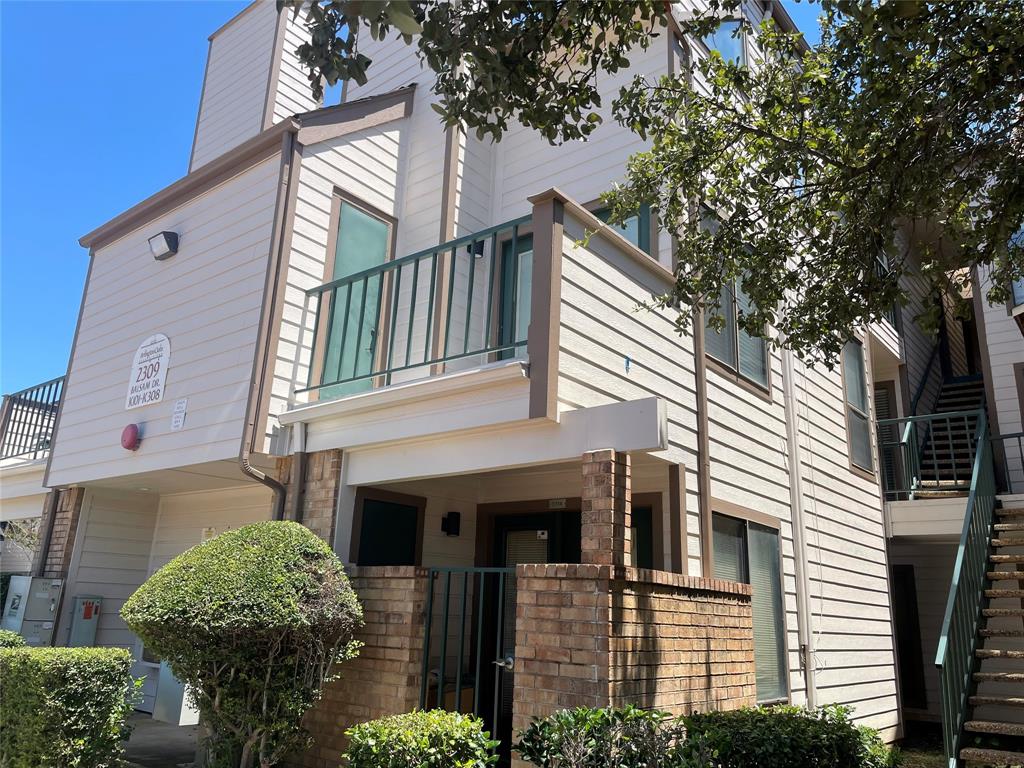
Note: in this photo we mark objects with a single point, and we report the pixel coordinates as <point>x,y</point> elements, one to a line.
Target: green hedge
<point>787,736</point>
<point>10,639</point>
<point>434,739</point>
<point>64,706</point>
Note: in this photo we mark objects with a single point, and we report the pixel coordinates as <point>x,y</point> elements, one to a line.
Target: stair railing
<point>933,434</point>
<point>958,641</point>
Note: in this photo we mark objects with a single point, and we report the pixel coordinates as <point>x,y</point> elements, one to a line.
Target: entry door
<point>363,243</point>
<point>520,545</point>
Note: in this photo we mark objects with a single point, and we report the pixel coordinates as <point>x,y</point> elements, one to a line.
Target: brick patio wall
<point>321,485</point>
<point>598,635</point>
<point>57,559</point>
<point>384,678</point>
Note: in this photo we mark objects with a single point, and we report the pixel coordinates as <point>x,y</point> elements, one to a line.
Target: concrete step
<point>1015,526</point>
<point>999,757</point>
<point>999,677</point>
<point>1002,612</point>
<point>991,726</point>
<point>1006,558</point>
<point>1001,632</point>
<point>1005,575</point>
<point>1019,593</point>
<point>1011,512</point>
<point>1002,701</point>
<point>998,653</point>
<point>1016,541</point>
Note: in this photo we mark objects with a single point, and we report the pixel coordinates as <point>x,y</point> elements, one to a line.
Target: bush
<point>786,736</point>
<point>253,622</point>
<point>435,739</point>
<point>64,706</point>
<point>9,639</point>
<point>625,737</point>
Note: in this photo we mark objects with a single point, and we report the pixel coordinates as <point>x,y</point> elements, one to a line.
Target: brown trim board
<point>545,300</point>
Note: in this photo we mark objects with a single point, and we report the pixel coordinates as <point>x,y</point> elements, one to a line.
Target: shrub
<point>625,737</point>
<point>433,739</point>
<point>786,736</point>
<point>64,706</point>
<point>253,622</point>
<point>10,639</point>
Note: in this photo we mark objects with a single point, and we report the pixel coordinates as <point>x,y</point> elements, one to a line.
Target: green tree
<point>900,132</point>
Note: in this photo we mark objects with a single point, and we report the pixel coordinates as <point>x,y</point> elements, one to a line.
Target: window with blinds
<point>732,346</point>
<point>856,385</point>
<point>749,553</point>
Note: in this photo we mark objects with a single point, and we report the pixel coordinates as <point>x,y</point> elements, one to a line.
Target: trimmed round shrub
<point>786,736</point>
<point>253,622</point>
<point>64,706</point>
<point>434,739</point>
<point>9,639</point>
<point>613,737</point>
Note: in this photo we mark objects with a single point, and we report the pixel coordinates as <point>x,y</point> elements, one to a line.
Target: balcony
<point>27,421</point>
<point>459,305</point>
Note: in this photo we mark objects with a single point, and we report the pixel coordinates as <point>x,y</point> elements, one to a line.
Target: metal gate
<point>467,663</point>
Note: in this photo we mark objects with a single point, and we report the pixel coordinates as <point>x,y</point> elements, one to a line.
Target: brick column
<point>384,679</point>
<point>57,559</point>
<point>605,537</point>
<point>320,487</point>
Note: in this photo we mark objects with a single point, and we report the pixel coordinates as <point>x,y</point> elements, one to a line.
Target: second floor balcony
<point>27,422</point>
<point>459,305</point>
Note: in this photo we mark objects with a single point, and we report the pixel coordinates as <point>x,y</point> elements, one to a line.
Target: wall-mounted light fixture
<point>451,523</point>
<point>476,248</point>
<point>163,245</point>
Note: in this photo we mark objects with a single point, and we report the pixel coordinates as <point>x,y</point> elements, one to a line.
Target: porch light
<point>163,245</point>
<point>451,524</point>
<point>476,248</point>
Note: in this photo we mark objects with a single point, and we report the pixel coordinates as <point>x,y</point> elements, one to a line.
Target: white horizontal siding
<point>364,165</point>
<point>111,558</point>
<point>235,87</point>
<point>206,299</point>
<point>293,94</point>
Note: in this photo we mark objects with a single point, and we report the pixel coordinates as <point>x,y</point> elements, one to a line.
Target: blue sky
<point>97,110</point>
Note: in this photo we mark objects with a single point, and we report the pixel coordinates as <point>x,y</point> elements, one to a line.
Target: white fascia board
<point>632,426</point>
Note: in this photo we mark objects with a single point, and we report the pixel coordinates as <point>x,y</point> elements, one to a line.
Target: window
<point>728,41</point>
<point>855,384</point>
<point>636,229</point>
<point>1018,293</point>
<point>748,552</point>
<point>389,530</point>
<point>733,346</point>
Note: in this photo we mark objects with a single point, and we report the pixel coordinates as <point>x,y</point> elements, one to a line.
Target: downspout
<point>796,503</point>
<point>287,178</point>
<point>298,472</point>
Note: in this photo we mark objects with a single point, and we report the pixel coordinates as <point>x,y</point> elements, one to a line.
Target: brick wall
<point>57,558</point>
<point>320,488</point>
<point>385,678</point>
<point>596,635</point>
<point>606,508</point>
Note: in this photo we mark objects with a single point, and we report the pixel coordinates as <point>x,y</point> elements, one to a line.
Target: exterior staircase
<point>995,718</point>
<point>947,455</point>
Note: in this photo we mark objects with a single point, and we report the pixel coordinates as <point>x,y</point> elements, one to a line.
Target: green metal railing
<point>464,640</point>
<point>1011,447</point>
<point>384,320</point>
<point>934,451</point>
<point>958,640</point>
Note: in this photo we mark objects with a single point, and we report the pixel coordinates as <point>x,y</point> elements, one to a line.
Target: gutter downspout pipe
<point>796,503</point>
<point>270,296</point>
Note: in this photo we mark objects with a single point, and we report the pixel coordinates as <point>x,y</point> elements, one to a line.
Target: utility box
<point>84,621</point>
<point>172,705</point>
<point>14,607</point>
<point>40,617</point>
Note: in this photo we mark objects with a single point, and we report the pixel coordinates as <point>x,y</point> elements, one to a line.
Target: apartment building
<point>427,349</point>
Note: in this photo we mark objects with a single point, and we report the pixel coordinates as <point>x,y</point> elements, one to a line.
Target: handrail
<point>28,419</point>
<point>929,450</point>
<point>924,381</point>
<point>459,300</point>
<point>958,640</point>
<point>1011,470</point>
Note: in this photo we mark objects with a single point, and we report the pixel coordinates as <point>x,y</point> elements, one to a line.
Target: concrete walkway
<point>154,744</point>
